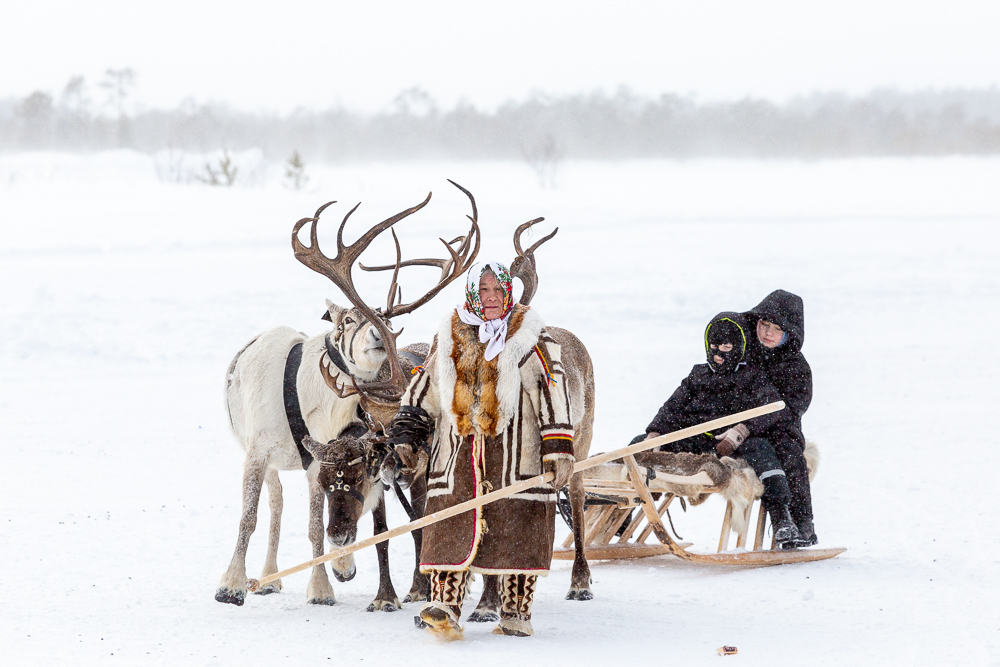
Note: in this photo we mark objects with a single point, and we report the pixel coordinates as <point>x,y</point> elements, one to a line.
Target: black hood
<point>787,311</point>
<point>734,324</point>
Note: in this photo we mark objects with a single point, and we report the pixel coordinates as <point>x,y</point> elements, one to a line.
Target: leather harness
<point>293,411</point>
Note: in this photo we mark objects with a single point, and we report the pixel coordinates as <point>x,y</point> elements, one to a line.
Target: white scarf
<point>491,332</point>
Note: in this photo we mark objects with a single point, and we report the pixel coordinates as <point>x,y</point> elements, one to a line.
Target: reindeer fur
<point>811,453</point>
<point>733,478</point>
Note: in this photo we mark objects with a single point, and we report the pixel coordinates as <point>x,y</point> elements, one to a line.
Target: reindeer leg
<point>319,590</point>
<point>579,587</point>
<point>276,504</point>
<point>233,585</point>
<point>488,608</point>
<point>420,589</point>
<point>385,599</point>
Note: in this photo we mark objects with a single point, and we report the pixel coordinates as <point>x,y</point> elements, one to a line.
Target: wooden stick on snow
<point>255,584</point>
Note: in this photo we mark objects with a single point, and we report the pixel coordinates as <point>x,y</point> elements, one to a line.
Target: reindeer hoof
<point>230,596</point>
<point>329,602</point>
<point>346,576</point>
<point>414,596</point>
<point>384,605</point>
<point>579,594</point>
<point>514,627</point>
<point>483,616</point>
<point>267,590</point>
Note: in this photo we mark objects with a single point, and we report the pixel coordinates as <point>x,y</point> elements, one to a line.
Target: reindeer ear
<point>313,446</point>
<point>332,311</point>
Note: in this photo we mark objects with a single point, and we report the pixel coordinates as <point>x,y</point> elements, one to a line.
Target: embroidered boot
<point>516,594</point>
<point>440,615</point>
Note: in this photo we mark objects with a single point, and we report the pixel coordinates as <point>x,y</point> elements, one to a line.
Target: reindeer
<point>277,394</point>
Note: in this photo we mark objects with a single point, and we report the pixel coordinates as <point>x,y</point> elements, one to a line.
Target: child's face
<point>725,347</point>
<point>769,334</point>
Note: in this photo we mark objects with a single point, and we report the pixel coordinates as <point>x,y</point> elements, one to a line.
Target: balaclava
<point>724,329</point>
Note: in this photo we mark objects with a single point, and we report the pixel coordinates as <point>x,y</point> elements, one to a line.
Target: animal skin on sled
<point>733,478</point>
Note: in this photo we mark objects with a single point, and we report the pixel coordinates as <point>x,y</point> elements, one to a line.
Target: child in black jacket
<point>723,386</point>
<point>776,333</point>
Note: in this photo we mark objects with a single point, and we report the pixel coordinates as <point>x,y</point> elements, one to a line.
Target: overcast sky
<point>301,53</point>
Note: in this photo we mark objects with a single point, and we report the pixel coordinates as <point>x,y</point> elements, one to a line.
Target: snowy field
<point>125,297</point>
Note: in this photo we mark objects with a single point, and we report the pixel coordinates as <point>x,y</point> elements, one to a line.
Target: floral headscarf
<point>473,278</point>
<point>491,332</point>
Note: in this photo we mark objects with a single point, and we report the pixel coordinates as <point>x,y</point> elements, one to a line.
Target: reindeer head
<point>348,475</point>
<point>357,340</point>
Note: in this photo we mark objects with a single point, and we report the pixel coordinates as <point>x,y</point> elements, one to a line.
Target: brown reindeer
<point>348,475</point>
<point>278,391</point>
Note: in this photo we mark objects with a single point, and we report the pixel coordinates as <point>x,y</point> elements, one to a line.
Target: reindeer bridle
<point>334,355</point>
<point>372,461</point>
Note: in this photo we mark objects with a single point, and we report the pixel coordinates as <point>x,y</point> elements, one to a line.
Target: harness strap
<point>402,501</point>
<point>293,411</point>
<point>335,356</point>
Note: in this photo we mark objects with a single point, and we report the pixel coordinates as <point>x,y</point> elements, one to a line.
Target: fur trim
<point>811,452</point>
<point>741,490</point>
<point>479,395</point>
<point>502,571</point>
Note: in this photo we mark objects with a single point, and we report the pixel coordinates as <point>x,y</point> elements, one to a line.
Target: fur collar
<point>479,395</point>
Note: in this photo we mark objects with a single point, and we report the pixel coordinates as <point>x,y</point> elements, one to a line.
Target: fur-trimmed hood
<point>478,395</point>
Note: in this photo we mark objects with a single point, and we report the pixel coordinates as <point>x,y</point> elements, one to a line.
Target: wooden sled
<point>610,512</point>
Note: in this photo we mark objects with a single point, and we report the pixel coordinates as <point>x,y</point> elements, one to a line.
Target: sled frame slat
<point>604,521</point>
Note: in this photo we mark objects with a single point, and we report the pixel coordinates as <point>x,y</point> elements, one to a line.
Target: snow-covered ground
<point>124,298</point>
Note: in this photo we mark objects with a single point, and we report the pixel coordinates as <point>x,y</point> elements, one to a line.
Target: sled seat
<point>621,515</point>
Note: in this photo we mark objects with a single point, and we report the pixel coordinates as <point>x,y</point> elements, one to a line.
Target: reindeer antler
<point>523,265</point>
<point>458,262</point>
<point>338,270</point>
<point>339,389</point>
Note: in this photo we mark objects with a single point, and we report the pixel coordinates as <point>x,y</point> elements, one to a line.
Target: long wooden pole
<point>255,584</point>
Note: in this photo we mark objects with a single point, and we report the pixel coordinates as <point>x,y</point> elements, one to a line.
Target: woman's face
<point>769,334</point>
<point>491,295</point>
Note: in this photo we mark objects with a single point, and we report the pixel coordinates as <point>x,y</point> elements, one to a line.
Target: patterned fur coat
<point>495,423</point>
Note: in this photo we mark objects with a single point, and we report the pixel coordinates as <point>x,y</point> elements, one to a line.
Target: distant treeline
<point>540,129</point>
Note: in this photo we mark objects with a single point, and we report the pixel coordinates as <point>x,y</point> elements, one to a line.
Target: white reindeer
<point>263,387</point>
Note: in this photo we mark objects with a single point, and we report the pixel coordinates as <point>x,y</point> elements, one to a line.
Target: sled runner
<point>621,515</point>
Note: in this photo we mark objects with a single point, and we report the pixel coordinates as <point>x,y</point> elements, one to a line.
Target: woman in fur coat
<point>489,408</point>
